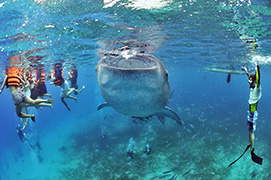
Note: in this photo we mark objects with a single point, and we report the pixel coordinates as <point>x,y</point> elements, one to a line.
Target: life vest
<point>40,75</point>
<point>13,77</point>
<point>14,58</point>
<point>57,73</point>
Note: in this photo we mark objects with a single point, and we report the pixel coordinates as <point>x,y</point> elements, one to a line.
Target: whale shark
<point>135,85</point>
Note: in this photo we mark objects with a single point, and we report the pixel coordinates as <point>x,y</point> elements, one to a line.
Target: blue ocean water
<point>186,36</point>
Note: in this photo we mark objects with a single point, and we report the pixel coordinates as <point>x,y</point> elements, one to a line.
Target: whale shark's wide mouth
<point>133,62</point>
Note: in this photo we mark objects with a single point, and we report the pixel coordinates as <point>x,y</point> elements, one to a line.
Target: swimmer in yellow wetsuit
<point>254,97</point>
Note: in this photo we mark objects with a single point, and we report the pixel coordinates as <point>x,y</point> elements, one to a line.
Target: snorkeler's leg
<point>31,105</point>
<point>79,91</point>
<point>251,139</point>
<point>24,122</point>
<point>48,95</point>
<point>24,115</point>
<point>72,97</point>
<point>26,119</point>
<point>25,110</point>
<point>37,101</point>
<point>70,91</point>
<point>45,105</point>
<point>65,103</point>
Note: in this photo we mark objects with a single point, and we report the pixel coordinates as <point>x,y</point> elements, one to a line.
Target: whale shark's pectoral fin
<point>102,106</point>
<point>169,113</point>
<point>161,119</point>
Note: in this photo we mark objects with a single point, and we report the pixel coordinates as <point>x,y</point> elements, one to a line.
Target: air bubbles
<point>261,59</point>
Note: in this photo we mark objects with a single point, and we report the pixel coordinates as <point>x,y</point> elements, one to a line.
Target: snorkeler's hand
<point>244,68</point>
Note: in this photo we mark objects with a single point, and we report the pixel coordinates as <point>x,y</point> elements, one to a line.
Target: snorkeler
<point>58,80</point>
<point>130,149</point>
<point>130,154</point>
<point>14,80</point>
<point>39,88</point>
<point>22,135</point>
<point>73,75</point>
<point>147,150</point>
<point>254,97</point>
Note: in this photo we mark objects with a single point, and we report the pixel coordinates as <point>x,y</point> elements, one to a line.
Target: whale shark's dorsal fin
<point>169,113</point>
<point>102,106</point>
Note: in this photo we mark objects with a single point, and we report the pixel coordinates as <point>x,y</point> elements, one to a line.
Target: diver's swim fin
<point>240,156</point>
<point>256,158</point>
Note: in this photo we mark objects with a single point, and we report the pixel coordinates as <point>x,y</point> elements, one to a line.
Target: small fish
<point>192,126</point>
<point>166,172</point>
<point>202,139</point>
<point>195,135</point>
<point>188,130</point>
<point>187,172</point>
<point>202,120</point>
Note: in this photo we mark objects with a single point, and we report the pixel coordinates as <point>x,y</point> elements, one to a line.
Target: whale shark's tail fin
<point>169,113</point>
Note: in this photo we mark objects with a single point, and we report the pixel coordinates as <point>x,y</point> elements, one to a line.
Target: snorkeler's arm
<point>3,84</point>
<point>258,75</point>
<point>245,69</point>
<point>53,78</point>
